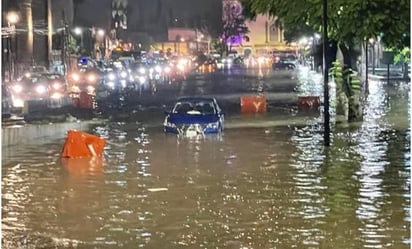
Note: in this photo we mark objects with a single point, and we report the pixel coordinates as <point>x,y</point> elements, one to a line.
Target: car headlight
<point>56,96</point>
<point>18,102</point>
<point>123,74</point>
<point>158,69</point>
<point>181,67</point>
<point>75,77</point>
<point>110,84</point>
<point>111,76</point>
<point>142,79</point>
<point>91,78</point>
<point>56,85</point>
<point>40,89</point>
<point>214,125</point>
<point>18,88</point>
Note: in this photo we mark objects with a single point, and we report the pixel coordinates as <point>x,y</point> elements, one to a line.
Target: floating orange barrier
<point>253,104</point>
<point>309,102</point>
<point>80,144</point>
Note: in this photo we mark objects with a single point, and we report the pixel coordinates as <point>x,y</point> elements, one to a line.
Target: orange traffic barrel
<point>308,102</point>
<point>80,144</point>
<point>253,104</point>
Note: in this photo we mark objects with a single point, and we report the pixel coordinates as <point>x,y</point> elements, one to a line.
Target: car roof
<point>195,99</point>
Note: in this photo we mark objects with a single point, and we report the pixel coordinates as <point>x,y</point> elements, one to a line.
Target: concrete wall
<point>16,135</point>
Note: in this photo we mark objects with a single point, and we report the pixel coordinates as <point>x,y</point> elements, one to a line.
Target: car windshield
<point>194,108</point>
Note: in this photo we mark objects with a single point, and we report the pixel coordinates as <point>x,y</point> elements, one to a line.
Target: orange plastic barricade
<point>80,144</point>
<point>253,104</point>
<point>309,102</point>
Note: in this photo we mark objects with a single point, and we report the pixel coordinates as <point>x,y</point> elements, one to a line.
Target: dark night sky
<point>94,13</point>
<point>153,14</point>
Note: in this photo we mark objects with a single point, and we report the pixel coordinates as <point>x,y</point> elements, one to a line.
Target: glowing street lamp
<point>100,33</point>
<point>79,31</point>
<point>12,18</point>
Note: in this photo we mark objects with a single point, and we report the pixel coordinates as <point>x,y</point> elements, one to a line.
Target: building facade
<point>29,39</point>
<point>264,36</point>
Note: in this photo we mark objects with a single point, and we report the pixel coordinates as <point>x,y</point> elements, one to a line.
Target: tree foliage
<point>233,30</point>
<point>348,21</point>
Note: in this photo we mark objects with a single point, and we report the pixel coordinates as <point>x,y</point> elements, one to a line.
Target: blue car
<point>192,116</point>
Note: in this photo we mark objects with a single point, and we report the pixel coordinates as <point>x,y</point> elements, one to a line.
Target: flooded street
<point>266,183</point>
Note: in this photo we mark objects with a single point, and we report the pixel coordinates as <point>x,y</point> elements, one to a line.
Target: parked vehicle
<point>30,88</point>
<point>84,80</point>
<point>284,63</point>
<point>57,85</point>
<point>193,116</point>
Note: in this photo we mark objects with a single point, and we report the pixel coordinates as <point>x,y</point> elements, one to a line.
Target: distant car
<point>34,87</point>
<point>58,86</point>
<point>193,116</point>
<point>283,65</point>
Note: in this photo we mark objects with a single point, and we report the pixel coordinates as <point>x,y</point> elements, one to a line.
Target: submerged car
<point>193,116</point>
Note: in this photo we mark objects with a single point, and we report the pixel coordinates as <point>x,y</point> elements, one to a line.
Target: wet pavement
<point>268,182</point>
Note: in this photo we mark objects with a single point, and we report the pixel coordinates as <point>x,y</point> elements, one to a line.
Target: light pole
<point>12,19</point>
<point>326,118</point>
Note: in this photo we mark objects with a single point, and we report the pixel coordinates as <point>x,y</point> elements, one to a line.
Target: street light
<point>79,31</point>
<point>12,18</point>
<point>100,33</point>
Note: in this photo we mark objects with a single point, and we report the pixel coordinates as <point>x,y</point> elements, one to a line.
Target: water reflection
<point>275,187</point>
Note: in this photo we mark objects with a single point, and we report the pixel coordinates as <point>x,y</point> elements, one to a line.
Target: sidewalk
<point>381,74</point>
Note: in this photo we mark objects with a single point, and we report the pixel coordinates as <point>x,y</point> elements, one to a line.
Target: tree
<point>234,27</point>
<point>349,22</point>
<point>234,32</point>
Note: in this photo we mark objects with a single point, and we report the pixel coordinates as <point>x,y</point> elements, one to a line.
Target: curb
<point>34,133</point>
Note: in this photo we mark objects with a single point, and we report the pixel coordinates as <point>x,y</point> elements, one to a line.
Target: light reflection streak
<point>307,160</point>
<point>372,166</point>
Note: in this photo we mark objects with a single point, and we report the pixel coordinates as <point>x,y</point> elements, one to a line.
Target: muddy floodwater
<point>256,187</point>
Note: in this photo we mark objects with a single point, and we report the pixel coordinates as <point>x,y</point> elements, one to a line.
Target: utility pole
<point>325,76</point>
<point>64,45</point>
<point>49,33</point>
<point>366,67</point>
